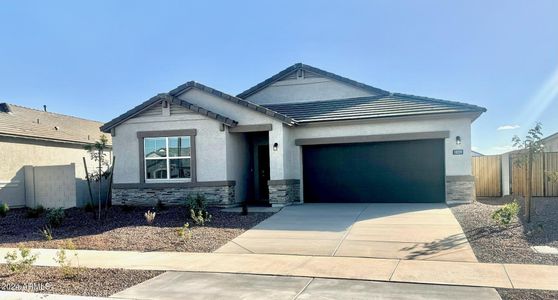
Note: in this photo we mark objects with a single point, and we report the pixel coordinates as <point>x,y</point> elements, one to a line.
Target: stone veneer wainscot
<point>284,192</point>
<point>219,195</point>
<point>460,189</point>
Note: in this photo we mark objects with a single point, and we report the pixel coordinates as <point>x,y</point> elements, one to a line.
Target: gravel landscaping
<point>125,228</point>
<point>90,282</point>
<point>516,294</point>
<point>495,244</point>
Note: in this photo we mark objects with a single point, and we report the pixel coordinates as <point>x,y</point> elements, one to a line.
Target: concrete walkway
<point>175,285</point>
<point>423,231</point>
<point>394,270</point>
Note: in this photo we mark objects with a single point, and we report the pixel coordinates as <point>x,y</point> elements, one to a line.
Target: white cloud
<point>475,148</point>
<point>508,127</point>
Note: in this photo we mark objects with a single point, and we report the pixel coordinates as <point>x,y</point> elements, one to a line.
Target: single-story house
<point>42,157</point>
<point>551,143</point>
<point>302,135</point>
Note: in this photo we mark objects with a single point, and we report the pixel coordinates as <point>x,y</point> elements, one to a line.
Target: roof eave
<point>473,115</point>
<point>64,141</point>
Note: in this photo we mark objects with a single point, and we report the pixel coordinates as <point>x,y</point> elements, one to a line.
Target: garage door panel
<point>407,171</point>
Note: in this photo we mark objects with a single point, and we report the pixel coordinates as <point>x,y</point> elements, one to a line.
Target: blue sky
<point>97,59</point>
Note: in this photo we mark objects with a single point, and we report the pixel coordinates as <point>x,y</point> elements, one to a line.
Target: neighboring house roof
<point>390,105</point>
<point>551,137</point>
<point>157,99</point>
<point>23,122</point>
<point>299,66</point>
<point>256,107</point>
<point>475,153</point>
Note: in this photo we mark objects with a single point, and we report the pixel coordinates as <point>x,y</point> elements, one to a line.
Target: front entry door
<point>263,173</point>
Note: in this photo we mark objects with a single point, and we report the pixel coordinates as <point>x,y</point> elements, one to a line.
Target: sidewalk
<point>393,270</point>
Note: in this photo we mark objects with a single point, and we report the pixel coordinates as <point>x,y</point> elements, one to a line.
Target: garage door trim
<point>374,138</point>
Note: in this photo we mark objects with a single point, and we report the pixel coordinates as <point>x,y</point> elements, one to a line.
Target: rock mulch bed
<point>90,282</point>
<point>513,294</point>
<point>126,229</point>
<point>512,244</point>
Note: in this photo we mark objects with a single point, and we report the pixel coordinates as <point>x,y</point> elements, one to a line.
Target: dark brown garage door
<point>396,172</point>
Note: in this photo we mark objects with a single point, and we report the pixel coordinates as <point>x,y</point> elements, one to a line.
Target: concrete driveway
<point>402,230</point>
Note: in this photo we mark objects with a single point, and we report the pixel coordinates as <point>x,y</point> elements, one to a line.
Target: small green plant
<point>4,208</point>
<point>55,217</point>
<point>46,232</point>
<point>36,212</point>
<point>20,262</point>
<point>184,233</point>
<point>505,214</point>
<point>196,202</point>
<point>200,217</point>
<point>67,267</point>
<point>150,217</point>
<point>89,207</point>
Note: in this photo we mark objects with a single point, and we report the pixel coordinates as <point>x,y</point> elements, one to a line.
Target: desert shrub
<point>200,217</point>
<point>184,233</point>
<point>4,208</point>
<point>196,202</point>
<point>55,217</point>
<point>67,267</point>
<point>35,212</point>
<point>20,261</point>
<point>89,207</point>
<point>505,214</point>
<point>46,232</point>
<point>150,217</point>
<point>159,205</point>
<point>198,210</point>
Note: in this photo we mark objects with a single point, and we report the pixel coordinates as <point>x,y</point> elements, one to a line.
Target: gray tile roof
<point>391,105</point>
<point>18,121</point>
<point>157,99</point>
<point>300,66</point>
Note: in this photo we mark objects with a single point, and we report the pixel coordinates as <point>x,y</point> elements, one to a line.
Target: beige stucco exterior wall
<point>244,116</point>
<point>210,144</point>
<point>15,153</point>
<point>306,89</point>
<point>455,164</point>
<point>50,186</point>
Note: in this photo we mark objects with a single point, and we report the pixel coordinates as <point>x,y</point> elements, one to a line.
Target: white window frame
<point>167,158</point>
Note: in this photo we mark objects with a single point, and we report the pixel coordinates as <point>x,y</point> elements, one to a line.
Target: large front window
<point>167,158</point>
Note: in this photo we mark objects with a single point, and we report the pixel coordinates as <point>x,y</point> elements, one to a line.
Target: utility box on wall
<point>50,186</point>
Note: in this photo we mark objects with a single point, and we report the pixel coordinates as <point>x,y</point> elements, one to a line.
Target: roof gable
<point>294,69</point>
<point>172,100</point>
<point>253,106</point>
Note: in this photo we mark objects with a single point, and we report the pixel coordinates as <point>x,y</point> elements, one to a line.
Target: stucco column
<point>284,183</point>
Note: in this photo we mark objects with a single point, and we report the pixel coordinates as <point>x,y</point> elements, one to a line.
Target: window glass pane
<point>180,168</point>
<point>179,146</point>
<point>155,147</point>
<point>156,169</point>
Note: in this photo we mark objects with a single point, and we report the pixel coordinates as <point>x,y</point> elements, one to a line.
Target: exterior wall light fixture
<point>275,146</point>
<point>458,140</point>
